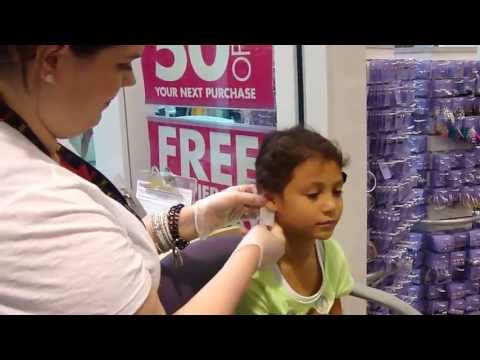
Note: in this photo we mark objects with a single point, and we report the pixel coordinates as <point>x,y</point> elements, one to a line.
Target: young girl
<point>300,173</point>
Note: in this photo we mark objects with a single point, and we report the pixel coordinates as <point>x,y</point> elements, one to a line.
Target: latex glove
<point>225,208</point>
<point>270,242</point>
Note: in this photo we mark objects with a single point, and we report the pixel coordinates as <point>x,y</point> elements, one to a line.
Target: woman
<point>70,243</point>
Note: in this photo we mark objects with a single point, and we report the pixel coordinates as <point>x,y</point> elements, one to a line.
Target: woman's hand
<point>271,243</point>
<point>225,208</point>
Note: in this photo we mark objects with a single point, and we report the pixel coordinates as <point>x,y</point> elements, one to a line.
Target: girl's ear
<point>271,201</point>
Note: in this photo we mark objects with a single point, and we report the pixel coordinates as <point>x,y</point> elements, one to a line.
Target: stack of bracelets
<point>167,235</point>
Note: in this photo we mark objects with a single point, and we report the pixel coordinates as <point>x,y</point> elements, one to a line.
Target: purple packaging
<point>436,307</point>
<point>472,287</point>
<point>470,160</point>
<point>416,240</point>
<point>404,69</point>
<point>469,85</point>
<point>469,178</point>
<point>438,105</point>
<point>476,173</point>
<point>473,257</point>
<point>472,273</point>
<point>422,88</point>
<point>423,105</point>
<point>470,68</point>
<point>460,87</point>
<point>455,179</point>
<point>441,161</point>
<point>456,307</point>
<point>457,258</point>
<point>403,119</point>
<point>440,243</point>
<point>439,69</point>
<point>435,260</point>
<point>414,291</point>
<point>382,96</point>
<point>458,159</point>
<point>416,276</point>
<point>468,106</point>
<point>455,290</point>
<point>437,179</point>
<point>375,265</point>
<point>420,161</point>
<point>424,126</point>
<point>434,292</point>
<point>472,303</point>
<point>405,94</point>
<point>460,240</point>
<point>382,241</point>
<point>437,276</point>
<point>474,238</point>
<point>443,88</point>
<point>383,121</point>
<point>476,102</point>
<point>458,274</point>
<point>380,71</point>
<point>418,258</point>
<point>419,196</point>
<point>417,144</point>
<point>386,194</point>
<point>422,179</point>
<point>423,69</point>
<point>469,122</point>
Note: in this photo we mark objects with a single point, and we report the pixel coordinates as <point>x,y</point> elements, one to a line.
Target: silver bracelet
<point>162,243</point>
<point>163,238</point>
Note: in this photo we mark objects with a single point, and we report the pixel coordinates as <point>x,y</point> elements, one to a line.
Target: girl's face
<point>311,204</point>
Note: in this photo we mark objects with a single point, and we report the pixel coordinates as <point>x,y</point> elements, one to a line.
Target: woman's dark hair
<point>12,56</point>
<point>282,151</point>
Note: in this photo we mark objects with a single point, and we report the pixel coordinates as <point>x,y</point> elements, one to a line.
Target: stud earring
<point>49,79</point>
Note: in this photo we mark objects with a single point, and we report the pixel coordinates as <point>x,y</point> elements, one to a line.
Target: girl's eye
<point>312,196</point>
<point>338,192</point>
<point>125,66</point>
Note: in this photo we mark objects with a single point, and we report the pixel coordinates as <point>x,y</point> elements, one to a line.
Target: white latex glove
<point>225,208</point>
<point>270,242</point>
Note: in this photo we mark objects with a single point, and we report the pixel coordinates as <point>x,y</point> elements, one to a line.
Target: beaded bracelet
<point>173,219</point>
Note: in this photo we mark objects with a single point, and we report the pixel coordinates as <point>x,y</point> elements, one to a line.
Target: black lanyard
<point>68,159</point>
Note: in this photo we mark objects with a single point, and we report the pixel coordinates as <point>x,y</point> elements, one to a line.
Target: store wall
<point>380,52</point>
<point>438,53</point>
<point>335,105</point>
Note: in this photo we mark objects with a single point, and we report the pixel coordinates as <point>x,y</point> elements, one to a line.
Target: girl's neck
<point>298,250</point>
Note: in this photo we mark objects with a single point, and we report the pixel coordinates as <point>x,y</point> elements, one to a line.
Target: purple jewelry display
<point>437,272</point>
